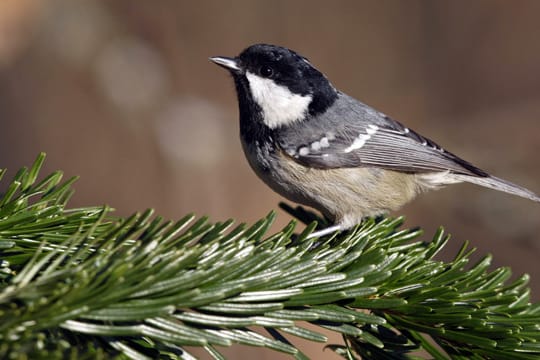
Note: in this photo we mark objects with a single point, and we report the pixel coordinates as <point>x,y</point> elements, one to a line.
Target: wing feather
<point>382,142</point>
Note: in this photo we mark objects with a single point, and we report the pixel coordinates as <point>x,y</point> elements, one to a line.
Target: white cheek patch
<point>362,138</point>
<point>279,105</point>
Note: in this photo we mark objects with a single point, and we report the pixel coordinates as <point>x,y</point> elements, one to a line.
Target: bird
<point>317,146</point>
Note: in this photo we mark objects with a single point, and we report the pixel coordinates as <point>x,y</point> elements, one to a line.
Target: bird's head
<point>278,84</point>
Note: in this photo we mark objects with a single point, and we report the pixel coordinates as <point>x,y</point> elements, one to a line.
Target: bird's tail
<point>495,183</point>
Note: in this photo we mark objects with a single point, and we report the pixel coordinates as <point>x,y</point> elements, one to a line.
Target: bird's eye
<point>266,71</point>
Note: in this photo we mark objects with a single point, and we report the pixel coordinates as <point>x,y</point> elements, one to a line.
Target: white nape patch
<point>279,105</point>
<point>362,138</point>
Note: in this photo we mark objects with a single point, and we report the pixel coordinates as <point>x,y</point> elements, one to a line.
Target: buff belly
<point>344,195</point>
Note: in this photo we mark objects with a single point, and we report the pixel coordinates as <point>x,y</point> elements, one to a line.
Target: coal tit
<point>317,146</point>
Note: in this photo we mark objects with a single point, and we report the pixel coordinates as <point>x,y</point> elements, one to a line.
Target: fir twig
<point>81,283</point>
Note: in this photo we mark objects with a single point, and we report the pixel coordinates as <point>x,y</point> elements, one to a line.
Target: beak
<point>230,64</point>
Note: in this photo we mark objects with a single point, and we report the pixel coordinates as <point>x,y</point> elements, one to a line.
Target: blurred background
<point>121,93</point>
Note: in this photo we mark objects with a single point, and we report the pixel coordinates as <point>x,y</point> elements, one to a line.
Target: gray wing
<point>353,134</point>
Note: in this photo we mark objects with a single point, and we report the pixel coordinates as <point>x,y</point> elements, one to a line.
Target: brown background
<point>121,93</point>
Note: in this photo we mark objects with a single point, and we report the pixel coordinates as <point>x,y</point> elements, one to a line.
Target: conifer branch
<point>82,283</point>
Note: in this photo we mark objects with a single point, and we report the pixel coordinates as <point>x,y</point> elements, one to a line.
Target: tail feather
<point>495,183</point>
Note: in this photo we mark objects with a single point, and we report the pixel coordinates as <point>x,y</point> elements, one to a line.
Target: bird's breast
<point>345,195</point>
